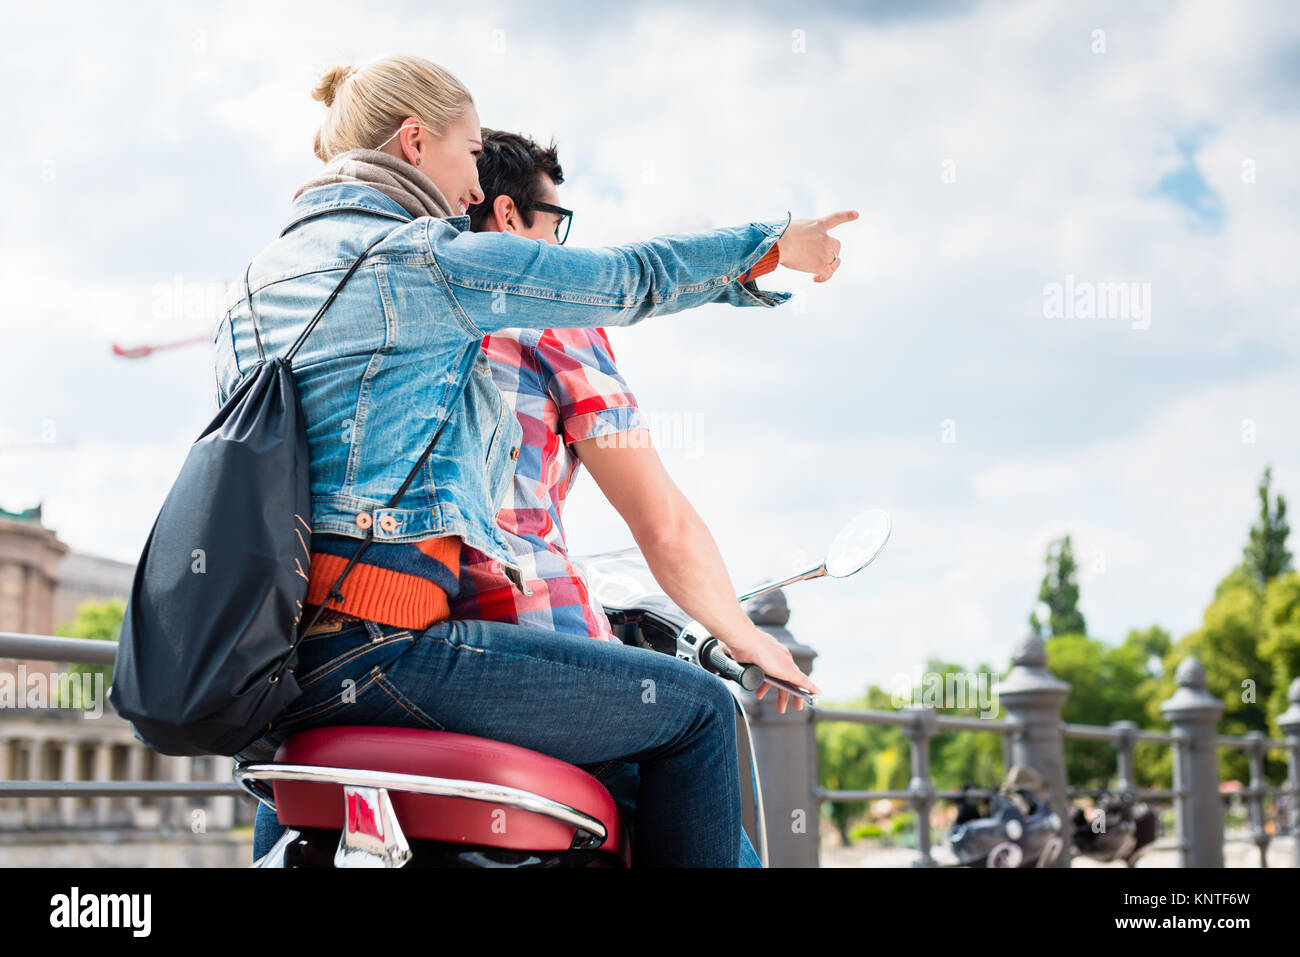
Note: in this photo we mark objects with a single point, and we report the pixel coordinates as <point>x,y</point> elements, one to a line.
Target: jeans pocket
<point>403,707</point>
<point>323,655</point>
<point>371,699</point>
<point>317,707</point>
<point>337,671</point>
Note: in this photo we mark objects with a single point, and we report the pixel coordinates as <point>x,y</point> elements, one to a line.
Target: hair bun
<point>329,83</point>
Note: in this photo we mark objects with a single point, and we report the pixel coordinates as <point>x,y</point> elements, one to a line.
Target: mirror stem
<point>817,571</point>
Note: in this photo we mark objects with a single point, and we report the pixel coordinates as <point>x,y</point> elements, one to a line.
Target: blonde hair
<point>368,102</point>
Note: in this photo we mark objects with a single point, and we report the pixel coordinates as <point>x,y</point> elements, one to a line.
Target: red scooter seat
<point>434,817</point>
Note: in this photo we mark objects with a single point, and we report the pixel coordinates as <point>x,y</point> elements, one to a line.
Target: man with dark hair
<point>576,409</point>
<point>517,169</point>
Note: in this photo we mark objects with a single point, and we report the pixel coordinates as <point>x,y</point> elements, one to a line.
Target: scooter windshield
<point>621,581</point>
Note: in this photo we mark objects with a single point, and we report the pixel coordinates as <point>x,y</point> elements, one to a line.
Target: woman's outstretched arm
<point>501,281</point>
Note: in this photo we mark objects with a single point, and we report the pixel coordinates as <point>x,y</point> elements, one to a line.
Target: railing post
<point>1289,722</point>
<point>1255,803</point>
<point>785,748</point>
<point>1126,768</point>
<point>1033,698</point>
<point>1194,714</point>
<point>925,721</point>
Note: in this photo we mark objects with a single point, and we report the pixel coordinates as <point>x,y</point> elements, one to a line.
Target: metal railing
<point>53,649</point>
<point>1033,735</point>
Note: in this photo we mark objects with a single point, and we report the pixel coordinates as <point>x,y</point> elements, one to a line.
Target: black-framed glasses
<point>562,224</point>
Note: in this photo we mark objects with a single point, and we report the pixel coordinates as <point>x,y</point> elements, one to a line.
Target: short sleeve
<point>591,394</point>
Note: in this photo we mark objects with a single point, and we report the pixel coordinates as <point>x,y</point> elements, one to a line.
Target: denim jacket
<point>398,352</point>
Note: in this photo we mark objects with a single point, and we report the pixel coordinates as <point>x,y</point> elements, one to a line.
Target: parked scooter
<point>363,796</point>
<point>1015,827</point>
<point>1120,828</point>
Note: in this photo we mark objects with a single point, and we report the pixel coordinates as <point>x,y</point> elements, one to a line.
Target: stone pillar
<point>35,810</point>
<point>68,771</point>
<point>1033,698</point>
<point>134,772</point>
<point>103,771</point>
<point>786,750</point>
<point>200,770</point>
<point>178,814</point>
<point>16,770</point>
<point>1194,714</point>
<point>221,810</point>
<point>1289,722</point>
<point>151,812</point>
<point>7,805</point>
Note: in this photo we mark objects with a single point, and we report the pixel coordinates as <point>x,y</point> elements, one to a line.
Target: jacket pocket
<point>501,460</point>
<point>496,419</point>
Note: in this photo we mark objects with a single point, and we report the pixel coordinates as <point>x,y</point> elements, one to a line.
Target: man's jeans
<point>582,701</point>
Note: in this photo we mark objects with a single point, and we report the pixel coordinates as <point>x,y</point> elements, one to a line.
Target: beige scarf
<point>393,177</point>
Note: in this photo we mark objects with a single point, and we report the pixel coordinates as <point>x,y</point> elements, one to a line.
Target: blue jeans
<point>582,701</point>
<point>623,783</point>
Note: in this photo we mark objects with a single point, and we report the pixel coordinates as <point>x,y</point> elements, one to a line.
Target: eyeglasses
<point>563,223</point>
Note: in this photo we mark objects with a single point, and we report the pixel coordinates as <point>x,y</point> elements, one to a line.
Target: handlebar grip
<point>715,659</point>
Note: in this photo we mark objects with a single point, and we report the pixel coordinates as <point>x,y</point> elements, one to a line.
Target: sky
<point>972,368</point>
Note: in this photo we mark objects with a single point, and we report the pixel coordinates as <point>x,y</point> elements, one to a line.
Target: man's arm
<point>680,550</point>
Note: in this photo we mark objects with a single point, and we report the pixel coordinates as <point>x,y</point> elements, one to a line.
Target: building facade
<point>42,583</point>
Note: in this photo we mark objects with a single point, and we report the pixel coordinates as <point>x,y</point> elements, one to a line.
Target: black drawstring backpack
<point>211,625</point>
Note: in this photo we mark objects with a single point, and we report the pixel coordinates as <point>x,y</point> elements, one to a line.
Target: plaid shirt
<point>564,387</point>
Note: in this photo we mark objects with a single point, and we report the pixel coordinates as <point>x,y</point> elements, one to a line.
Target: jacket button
<point>363,520</point>
<point>388,523</point>
<point>514,453</point>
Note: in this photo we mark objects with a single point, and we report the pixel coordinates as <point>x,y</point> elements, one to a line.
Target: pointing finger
<point>837,219</point>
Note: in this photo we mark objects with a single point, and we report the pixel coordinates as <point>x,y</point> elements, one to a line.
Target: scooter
<point>1121,828</point>
<point>1013,828</point>
<point>365,796</point>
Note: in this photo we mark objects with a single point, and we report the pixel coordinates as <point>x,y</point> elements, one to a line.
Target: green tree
<point>960,756</point>
<point>858,757</point>
<point>1280,644</point>
<point>1230,645</point>
<point>877,757</point>
<point>99,620</point>
<point>1059,591</point>
<point>1107,683</point>
<point>1155,642</point>
<point>1266,556</point>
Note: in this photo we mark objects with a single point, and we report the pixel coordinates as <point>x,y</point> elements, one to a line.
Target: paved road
<point>871,854</point>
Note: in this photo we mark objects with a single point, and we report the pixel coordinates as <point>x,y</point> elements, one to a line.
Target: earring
<point>417,161</point>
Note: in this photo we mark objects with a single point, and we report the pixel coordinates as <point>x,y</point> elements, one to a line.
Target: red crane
<point>139,352</point>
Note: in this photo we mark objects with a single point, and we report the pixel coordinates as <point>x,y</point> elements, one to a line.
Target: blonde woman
<point>396,357</point>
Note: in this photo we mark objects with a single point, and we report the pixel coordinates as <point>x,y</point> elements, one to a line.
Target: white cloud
<point>178,135</point>
<point>1005,481</point>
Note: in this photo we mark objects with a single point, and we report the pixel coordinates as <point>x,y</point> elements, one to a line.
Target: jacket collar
<point>353,196</point>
